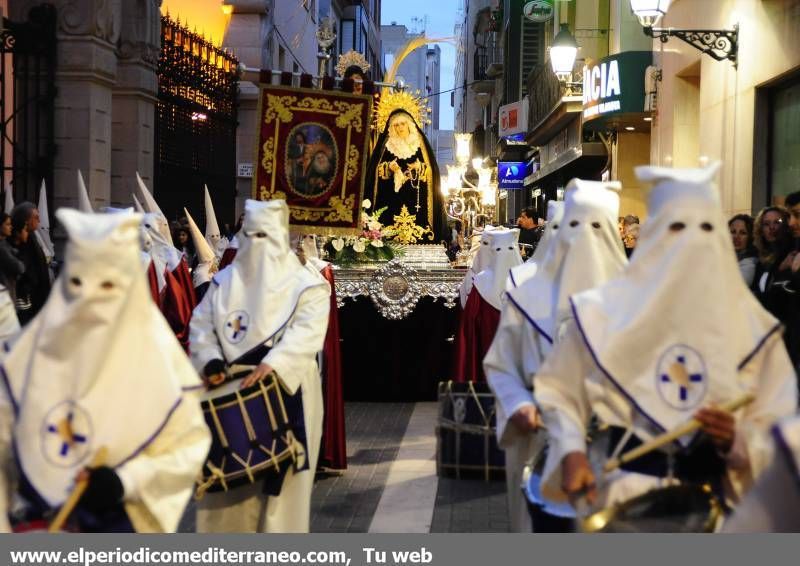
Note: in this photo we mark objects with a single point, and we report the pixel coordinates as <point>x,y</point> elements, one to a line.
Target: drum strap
<point>699,463</point>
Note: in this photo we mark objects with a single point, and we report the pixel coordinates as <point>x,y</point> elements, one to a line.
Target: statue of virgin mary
<point>403,177</point>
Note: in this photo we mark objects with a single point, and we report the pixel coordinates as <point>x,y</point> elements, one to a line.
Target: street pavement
<point>390,484</point>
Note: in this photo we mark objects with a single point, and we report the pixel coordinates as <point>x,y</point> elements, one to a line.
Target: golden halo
<point>352,57</point>
<point>402,100</point>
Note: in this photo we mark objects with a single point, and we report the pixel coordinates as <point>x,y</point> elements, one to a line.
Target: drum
<point>257,434</point>
<point>684,508</point>
<point>546,516</point>
<point>466,443</point>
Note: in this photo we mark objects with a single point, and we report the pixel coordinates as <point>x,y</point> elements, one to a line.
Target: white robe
<point>570,387</point>
<point>773,505</point>
<point>294,359</point>
<point>516,353</point>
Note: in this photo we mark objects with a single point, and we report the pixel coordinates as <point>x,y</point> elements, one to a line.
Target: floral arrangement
<point>373,244</point>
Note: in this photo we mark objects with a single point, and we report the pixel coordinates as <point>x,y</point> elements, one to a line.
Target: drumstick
<point>674,434</point>
<point>77,491</point>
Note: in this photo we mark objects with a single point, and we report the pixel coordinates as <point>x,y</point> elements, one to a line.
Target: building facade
<point>748,115</point>
<point>104,91</point>
<point>591,128</point>
<point>358,28</point>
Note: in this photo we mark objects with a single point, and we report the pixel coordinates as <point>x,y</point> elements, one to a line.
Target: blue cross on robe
<point>679,374</point>
<point>237,327</point>
<point>68,436</point>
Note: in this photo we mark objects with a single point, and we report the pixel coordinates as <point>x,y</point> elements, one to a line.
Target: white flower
<point>359,247</point>
<point>338,244</point>
<point>366,204</point>
<point>374,226</point>
<point>377,243</point>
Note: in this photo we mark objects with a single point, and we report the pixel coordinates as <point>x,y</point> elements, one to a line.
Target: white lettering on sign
<point>601,82</point>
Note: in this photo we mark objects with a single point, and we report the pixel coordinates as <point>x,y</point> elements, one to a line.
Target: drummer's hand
<point>577,478</point>
<point>260,372</point>
<point>214,372</point>
<point>719,425</point>
<point>526,419</point>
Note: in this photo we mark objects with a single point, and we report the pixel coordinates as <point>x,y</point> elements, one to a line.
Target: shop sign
<point>615,84</point>
<point>245,171</point>
<point>511,174</point>
<point>538,10</point>
<point>513,119</point>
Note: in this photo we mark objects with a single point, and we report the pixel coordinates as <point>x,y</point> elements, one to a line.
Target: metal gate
<point>27,102</point>
<point>195,137</point>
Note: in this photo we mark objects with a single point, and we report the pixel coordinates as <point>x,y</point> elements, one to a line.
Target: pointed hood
<point>266,263</point>
<point>43,231</point>
<point>676,328</point>
<point>137,205</point>
<point>213,235</point>
<point>84,204</point>
<point>99,356</point>
<point>207,260</point>
<point>502,255</point>
<point>151,206</point>
<point>586,253</point>
<point>521,273</point>
<point>8,205</point>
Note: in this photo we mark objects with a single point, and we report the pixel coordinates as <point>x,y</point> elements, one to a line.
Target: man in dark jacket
<point>36,276</point>
<point>529,231</point>
<point>781,297</point>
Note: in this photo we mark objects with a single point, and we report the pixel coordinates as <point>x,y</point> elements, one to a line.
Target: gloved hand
<point>214,367</point>
<point>214,373</point>
<point>104,491</point>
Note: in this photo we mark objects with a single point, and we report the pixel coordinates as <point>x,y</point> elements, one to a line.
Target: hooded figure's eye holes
<point>596,225</point>
<point>75,281</point>
<point>707,226</point>
<point>574,223</point>
<point>107,285</point>
<point>555,226</point>
<point>510,247</point>
<point>498,249</point>
<point>677,226</point>
<point>485,243</point>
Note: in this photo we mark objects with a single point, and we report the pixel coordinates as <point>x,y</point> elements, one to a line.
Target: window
<point>346,37</point>
<point>281,58</point>
<point>784,166</point>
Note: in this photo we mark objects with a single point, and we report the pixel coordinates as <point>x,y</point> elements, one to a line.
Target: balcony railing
<point>545,90</point>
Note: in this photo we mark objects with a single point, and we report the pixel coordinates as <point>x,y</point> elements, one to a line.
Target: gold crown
<point>350,58</point>
<point>401,100</point>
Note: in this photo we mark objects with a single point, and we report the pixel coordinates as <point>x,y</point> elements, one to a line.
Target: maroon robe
<point>476,329</point>
<point>176,300</point>
<point>227,257</point>
<point>333,452</point>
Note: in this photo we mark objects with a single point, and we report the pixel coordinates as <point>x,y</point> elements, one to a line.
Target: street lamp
<point>649,12</point>
<point>563,53</point>
<point>721,44</point>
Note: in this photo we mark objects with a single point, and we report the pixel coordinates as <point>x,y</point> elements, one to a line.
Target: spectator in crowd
<point>630,233</point>
<point>36,280</point>
<point>10,265</point>
<point>783,287</point>
<point>773,241</point>
<point>183,241</point>
<point>529,232</point>
<point>741,228</point>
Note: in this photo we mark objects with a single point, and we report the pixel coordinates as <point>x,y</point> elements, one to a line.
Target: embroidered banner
<point>312,151</point>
